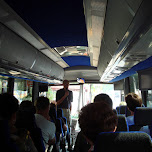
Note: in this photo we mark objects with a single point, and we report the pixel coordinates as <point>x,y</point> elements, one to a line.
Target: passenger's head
<point>133,101</point>
<point>66,84</point>
<point>25,115</point>
<point>8,107</point>
<point>95,118</point>
<point>42,104</point>
<point>103,98</point>
<point>27,106</point>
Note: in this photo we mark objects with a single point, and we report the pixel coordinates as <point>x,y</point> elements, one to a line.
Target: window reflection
<point>3,84</point>
<point>23,89</point>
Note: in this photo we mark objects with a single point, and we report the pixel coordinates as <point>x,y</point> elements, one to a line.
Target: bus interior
<point>100,46</point>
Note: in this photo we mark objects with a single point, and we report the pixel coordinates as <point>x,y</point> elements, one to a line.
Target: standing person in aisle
<point>64,97</point>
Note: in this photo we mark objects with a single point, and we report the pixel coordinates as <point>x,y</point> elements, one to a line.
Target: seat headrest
<point>143,116</point>
<point>53,113</point>
<point>115,111</point>
<point>123,110</point>
<point>122,123</point>
<point>122,141</point>
<point>59,112</point>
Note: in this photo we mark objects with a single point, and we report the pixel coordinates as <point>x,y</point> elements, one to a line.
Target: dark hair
<point>65,81</point>
<point>42,103</point>
<point>133,101</point>
<point>95,118</point>
<point>25,115</point>
<point>8,105</point>
<point>103,98</point>
<point>27,105</point>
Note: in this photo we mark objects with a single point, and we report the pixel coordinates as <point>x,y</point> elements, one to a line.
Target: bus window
<point>44,94</point>
<point>115,95</point>
<point>84,94</point>
<point>149,98</point>
<point>51,94</point>
<point>3,84</point>
<point>23,89</point>
<point>134,84</point>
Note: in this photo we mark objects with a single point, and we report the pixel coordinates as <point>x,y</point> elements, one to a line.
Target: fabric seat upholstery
<point>123,141</point>
<point>123,110</point>
<point>143,116</point>
<point>122,123</point>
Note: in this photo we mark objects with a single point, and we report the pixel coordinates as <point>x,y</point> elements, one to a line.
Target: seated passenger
<point>43,121</point>
<point>20,137</point>
<point>95,118</point>
<point>133,101</point>
<point>25,115</point>
<point>146,129</point>
<point>26,119</point>
<point>81,144</point>
<point>53,118</point>
<point>104,98</point>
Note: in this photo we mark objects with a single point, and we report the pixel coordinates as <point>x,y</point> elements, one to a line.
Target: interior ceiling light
<point>14,72</point>
<point>72,51</point>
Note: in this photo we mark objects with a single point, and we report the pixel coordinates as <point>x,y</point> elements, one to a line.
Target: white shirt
<point>47,127</point>
<point>130,120</point>
<point>145,129</point>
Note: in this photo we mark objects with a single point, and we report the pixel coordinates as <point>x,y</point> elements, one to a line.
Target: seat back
<point>37,138</point>
<point>53,114</point>
<point>123,110</point>
<point>150,127</point>
<point>5,141</point>
<point>123,141</point>
<point>59,128</point>
<point>81,144</point>
<point>122,123</point>
<point>26,119</point>
<point>118,110</point>
<point>59,113</point>
<point>115,111</point>
<point>143,116</point>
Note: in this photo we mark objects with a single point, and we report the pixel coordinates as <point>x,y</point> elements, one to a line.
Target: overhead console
<point>17,54</point>
<point>126,38</point>
<point>88,73</point>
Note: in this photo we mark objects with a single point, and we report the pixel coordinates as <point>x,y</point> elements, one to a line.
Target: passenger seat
<point>123,110</point>
<point>123,142</point>
<point>143,118</point>
<point>122,123</point>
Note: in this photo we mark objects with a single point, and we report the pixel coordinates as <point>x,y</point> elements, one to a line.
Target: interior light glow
<point>14,72</point>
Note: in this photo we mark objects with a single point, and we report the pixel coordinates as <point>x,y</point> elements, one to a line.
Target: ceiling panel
<point>58,23</point>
